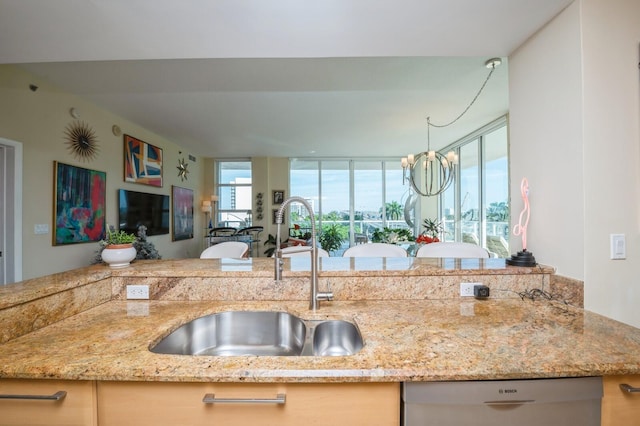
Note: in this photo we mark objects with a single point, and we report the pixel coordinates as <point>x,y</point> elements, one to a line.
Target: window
<point>234,192</point>
<point>475,207</point>
<point>356,197</point>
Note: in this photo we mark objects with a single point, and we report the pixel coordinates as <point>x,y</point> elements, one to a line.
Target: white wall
<point>545,113</point>
<point>37,120</point>
<point>611,123</point>
<point>270,173</point>
<point>575,119</point>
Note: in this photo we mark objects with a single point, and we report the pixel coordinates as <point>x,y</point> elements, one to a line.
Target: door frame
<point>13,214</point>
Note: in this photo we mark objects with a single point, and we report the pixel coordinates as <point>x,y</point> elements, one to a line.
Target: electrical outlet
<point>466,289</point>
<point>142,292</point>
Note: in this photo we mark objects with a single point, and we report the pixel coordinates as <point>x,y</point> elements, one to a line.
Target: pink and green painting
<point>79,208</point>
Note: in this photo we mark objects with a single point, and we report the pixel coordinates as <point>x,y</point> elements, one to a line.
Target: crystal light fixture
<point>435,170</point>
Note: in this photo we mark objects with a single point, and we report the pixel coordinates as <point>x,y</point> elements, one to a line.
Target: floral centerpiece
<point>299,236</point>
<point>392,236</point>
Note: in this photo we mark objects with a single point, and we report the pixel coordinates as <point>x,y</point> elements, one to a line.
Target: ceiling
<point>284,78</point>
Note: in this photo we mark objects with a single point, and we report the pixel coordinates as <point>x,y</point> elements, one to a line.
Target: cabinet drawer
<point>619,407</point>
<point>76,407</point>
<point>132,403</point>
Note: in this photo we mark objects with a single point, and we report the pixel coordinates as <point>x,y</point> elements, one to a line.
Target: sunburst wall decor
<point>182,170</point>
<point>81,140</point>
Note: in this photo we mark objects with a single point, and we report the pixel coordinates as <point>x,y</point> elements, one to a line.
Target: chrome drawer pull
<point>628,388</point>
<point>58,396</point>
<point>211,399</point>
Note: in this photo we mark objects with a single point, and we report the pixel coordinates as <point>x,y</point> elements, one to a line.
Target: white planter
<point>119,256</point>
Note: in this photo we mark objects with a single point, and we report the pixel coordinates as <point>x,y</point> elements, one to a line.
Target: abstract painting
<point>79,204</point>
<point>182,213</point>
<point>142,162</point>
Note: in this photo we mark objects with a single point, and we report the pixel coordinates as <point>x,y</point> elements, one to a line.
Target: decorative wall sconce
<point>182,170</point>
<point>259,210</point>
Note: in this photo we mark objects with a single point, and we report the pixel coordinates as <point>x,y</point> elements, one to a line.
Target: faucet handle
<point>325,295</point>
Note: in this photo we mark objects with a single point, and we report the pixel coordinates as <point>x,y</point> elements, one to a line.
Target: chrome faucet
<point>315,295</point>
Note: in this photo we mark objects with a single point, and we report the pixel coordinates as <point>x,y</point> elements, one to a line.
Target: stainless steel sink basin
<point>237,333</point>
<point>258,333</point>
<point>335,338</point>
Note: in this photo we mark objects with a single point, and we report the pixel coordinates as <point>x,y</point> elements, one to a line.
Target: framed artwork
<point>182,213</point>
<point>142,162</point>
<point>79,200</point>
<point>278,196</point>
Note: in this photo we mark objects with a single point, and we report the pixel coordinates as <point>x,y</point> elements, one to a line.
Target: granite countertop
<point>405,340</point>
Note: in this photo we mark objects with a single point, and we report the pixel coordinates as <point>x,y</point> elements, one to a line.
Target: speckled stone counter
<point>404,341</point>
<point>78,325</point>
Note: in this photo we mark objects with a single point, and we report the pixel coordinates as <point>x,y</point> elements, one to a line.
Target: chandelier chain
<point>429,123</point>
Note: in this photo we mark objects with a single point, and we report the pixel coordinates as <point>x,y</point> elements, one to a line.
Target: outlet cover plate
<point>466,289</point>
<point>142,292</point>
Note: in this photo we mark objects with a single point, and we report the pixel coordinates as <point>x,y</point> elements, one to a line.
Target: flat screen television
<point>141,208</point>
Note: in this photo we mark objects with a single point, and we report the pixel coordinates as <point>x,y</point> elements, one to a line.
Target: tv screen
<point>141,208</point>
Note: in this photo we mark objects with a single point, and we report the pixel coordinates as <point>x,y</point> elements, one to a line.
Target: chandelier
<point>433,168</point>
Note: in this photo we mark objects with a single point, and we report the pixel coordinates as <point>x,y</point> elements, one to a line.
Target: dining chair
<point>452,249</point>
<point>253,233</point>
<point>222,231</point>
<point>230,249</point>
<point>375,250</point>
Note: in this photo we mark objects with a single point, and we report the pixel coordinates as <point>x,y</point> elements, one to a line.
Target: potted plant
<point>118,250</point>
<point>270,243</point>
<point>144,248</point>
<point>332,237</point>
<point>432,230</point>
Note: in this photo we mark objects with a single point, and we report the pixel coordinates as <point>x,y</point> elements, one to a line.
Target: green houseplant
<point>332,237</point>
<point>116,238</point>
<point>117,248</point>
<point>270,243</point>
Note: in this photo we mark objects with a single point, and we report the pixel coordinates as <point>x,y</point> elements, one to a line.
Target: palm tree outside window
<point>359,196</point>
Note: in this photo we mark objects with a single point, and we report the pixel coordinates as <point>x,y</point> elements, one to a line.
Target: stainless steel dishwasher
<point>548,402</point>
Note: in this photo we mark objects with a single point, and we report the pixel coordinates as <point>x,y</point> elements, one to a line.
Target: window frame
<point>351,163</point>
<point>480,136</point>
<point>219,185</point>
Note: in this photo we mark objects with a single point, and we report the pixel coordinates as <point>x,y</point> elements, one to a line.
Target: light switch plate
<point>40,228</point>
<point>618,246</point>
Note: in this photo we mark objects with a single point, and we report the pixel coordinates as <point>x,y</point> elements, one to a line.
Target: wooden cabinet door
<point>132,403</point>
<point>33,402</point>
<point>620,407</point>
